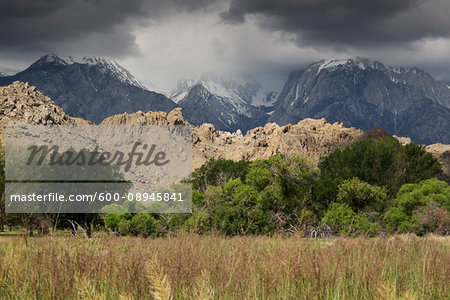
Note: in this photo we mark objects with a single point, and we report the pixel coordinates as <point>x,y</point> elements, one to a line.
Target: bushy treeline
<point>375,186</point>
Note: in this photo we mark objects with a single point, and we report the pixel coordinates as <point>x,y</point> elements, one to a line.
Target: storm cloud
<point>348,23</point>
<point>102,26</point>
<point>161,42</point>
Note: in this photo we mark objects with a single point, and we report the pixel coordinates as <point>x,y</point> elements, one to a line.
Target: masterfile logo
<point>89,168</point>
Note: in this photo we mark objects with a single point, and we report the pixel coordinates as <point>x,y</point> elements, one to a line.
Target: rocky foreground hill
<point>311,138</point>
<point>23,104</point>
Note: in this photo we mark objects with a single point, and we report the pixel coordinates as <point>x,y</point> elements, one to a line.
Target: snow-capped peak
<point>111,65</point>
<point>236,87</point>
<point>332,64</point>
<point>105,64</point>
<point>362,64</point>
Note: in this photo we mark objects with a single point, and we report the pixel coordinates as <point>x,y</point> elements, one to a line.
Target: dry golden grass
<point>160,286</point>
<point>211,267</point>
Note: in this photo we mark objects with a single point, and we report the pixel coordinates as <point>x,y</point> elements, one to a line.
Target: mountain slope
<point>364,93</point>
<point>230,102</point>
<point>91,88</point>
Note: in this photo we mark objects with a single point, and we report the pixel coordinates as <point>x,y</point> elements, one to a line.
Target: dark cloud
<point>59,25</point>
<point>353,23</point>
<point>162,41</point>
<point>98,27</point>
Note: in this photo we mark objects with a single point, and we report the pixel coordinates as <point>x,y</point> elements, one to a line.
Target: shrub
<point>360,195</point>
<point>271,196</point>
<point>417,207</point>
<point>344,220</point>
<point>142,224</point>
<point>236,209</point>
<point>198,223</point>
<point>113,220</point>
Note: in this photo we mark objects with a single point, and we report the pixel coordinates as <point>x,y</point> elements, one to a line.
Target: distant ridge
<point>229,101</point>
<point>92,88</point>
<point>405,101</point>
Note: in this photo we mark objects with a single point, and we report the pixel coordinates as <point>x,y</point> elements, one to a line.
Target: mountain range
<point>229,101</point>
<point>405,101</point>
<point>92,88</point>
<point>364,93</point>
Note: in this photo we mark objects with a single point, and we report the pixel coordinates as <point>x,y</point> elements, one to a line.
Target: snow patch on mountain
<point>107,65</point>
<point>362,64</point>
<point>237,88</point>
<point>330,64</point>
<point>333,64</point>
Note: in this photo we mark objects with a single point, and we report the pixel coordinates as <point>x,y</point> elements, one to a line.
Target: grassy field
<point>211,267</point>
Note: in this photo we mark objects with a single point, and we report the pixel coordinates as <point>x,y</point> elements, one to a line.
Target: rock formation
<point>23,104</point>
<point>309,137</point>
<point>442,153</point>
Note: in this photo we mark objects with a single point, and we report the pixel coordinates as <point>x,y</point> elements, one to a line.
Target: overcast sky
<point>161,42</point>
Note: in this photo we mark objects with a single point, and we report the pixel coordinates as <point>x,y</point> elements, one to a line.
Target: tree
<point>68,175</point>
<point>141,224</point>
<point>218,172</point>
<point>381,162</point>
<point>273,195</point>
<point>236,209</point>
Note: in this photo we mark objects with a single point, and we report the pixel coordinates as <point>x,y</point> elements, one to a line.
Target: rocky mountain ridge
<point>364,93</point>
<point>229,101</point>
<point>310,138</point>
<point>91,88</point>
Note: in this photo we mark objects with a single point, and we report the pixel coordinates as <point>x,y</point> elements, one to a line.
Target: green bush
<point>198,223</point>
<point>236,209</point>
<point>353,194</point>
<point>272,196</point>
<point>142,224</point>
<point>412,209</point>
<point>344,220</point>
<point>360,195</point>
<point>112,220</point>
